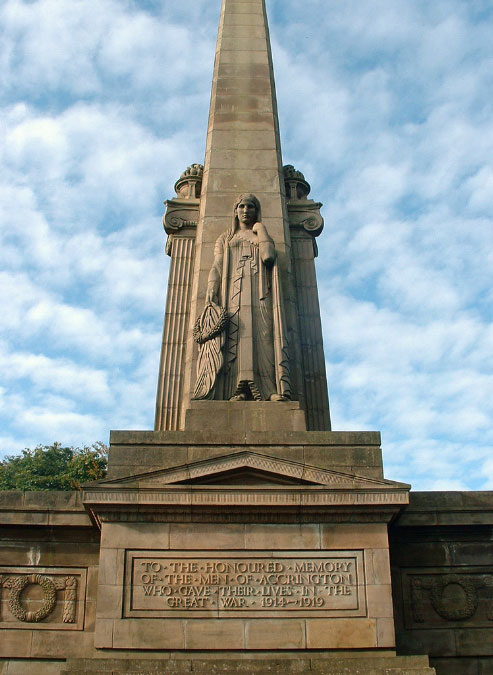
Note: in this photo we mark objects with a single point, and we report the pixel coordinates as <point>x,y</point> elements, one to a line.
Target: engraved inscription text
<point>203,584</point>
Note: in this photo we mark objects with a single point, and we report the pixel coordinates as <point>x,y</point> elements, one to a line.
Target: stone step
<point>398,665</point>
<point>345,671</point>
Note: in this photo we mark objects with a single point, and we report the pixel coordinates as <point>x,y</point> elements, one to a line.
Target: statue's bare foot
<point>238,397</point>
<point>278,397</point>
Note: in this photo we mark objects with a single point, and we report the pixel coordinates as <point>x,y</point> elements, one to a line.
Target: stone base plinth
<point>292,664</point>
<point>142,452</point>
<point>248,415</point>
<point>245,542</point>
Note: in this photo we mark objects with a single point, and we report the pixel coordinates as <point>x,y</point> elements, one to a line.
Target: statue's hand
<point>211,296</point>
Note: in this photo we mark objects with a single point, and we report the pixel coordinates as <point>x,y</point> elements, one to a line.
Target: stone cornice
<point>43,508</point>
<point>213,504</point>
<point>434,509</point>
<point>202,502</point>
<point>262,438</point>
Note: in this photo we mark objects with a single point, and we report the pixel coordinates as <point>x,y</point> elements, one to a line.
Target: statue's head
<point>239,209</point>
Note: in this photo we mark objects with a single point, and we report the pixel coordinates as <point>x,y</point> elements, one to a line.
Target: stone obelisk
<point>243,155</point>
<point>242,522</point>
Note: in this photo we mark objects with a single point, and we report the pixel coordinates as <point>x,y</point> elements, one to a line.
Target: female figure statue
<point>244,279</point>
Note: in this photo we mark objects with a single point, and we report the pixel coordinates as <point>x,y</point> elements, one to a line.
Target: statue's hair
<point>247,196</point>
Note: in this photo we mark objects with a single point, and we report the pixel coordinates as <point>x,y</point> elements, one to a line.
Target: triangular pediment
<point>249,468</point>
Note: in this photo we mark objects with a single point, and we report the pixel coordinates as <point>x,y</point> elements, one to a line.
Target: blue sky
<point>384,105</point>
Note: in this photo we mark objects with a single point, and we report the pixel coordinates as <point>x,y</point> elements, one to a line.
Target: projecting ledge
<point>50,508</point>
<point>246,437</point>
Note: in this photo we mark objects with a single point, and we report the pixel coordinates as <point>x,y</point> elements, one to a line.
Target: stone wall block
<point>198,453</point>
<point>103,634</point>
<point>471,553</point>
<point>16,643</point>
<point>251,121</point>
<point>377,566</point>
<point>145,456</point>
<point>385,633</point>
<point>215,634</point>
<point>240,140</point>
<point>275,634</point>
<point>109,602</point>
<point>142,535</point>
<point>379,600</point>
<point>354,536</point>
<point>244,33</point>
<point>149,634</point>
<point>256,57</point>
<point>282,537</point>
<point>227,159</point>
<point>341,633</point>
<point>243,86</point>
<point>53,644</point>
<point>250,43</point>
<point>108,566</point>
<point>433,642</point>
<point>473,642</point>
<point>419,554</point>
<point>242,19</point>
<point>206,536</point>
<point>459,666</point>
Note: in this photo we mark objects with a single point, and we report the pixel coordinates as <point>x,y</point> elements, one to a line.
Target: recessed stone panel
<point>253,584</point>
<point>37,598</point>
<point>448,597</point>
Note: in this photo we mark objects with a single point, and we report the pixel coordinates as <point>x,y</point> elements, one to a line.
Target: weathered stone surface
<point>255,416</point>
<point>448,509</point>
<point>49,508</point>
<point>261,585</point>
<point>248,485</point>
<point>201,634</point>
<point>242,156</point>
<point>341,634</point>
<point>460,666</point>
<point>442,579</point>
<point>27,667</point>
<point>375,665</point>
<point>135,452</point>
<point>48,598</point>
<point>283,566</point>
<point>279,536</point>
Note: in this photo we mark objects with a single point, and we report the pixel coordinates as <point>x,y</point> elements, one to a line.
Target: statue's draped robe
<point>255,351</point>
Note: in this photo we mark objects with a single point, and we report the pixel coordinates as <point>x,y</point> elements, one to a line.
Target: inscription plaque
<point>180,583</point>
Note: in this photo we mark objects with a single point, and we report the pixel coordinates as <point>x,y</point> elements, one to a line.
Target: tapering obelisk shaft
<point>243,155</point>
<point>243,151</point>
<point>243,148</point>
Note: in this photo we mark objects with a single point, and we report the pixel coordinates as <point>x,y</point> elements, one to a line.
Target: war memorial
<point>242,534</point>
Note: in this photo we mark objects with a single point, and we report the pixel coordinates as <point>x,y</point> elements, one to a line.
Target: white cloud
<point>480,187</point>
<point>59,375</point>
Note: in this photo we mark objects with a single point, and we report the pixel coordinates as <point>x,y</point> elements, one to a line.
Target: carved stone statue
<point>244,285</point>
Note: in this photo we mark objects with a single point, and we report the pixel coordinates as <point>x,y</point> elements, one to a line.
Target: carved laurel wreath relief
<point>437,586</point>
<point>49,586</point>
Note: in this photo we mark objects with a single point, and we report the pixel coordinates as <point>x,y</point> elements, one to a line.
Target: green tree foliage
<point>53,467</point>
